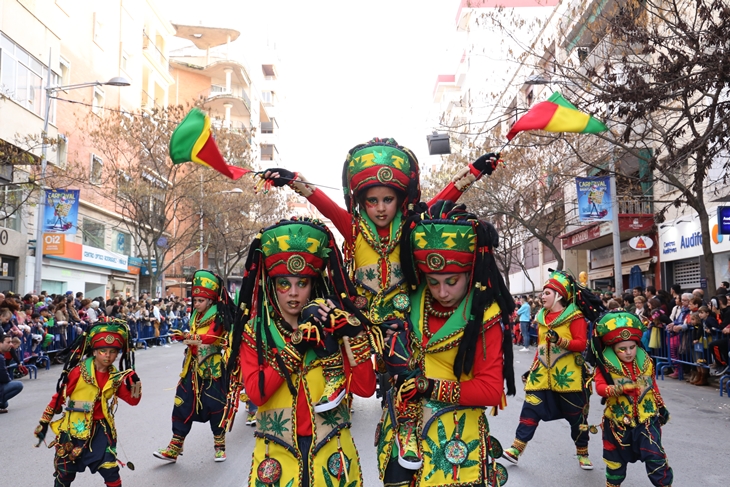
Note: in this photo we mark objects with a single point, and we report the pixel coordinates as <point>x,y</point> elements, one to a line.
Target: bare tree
<point>158,200</point>
<point>233,215</point>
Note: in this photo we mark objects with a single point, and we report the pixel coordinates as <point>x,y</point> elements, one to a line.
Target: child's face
<point>625,350</point>
<point>105,357</point>
<point>703,315</point>
<point>293,294</point>
<point>448,289</point>
<point>381,205</point>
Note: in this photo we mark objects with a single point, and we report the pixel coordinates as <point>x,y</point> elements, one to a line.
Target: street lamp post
<point>50,90</point>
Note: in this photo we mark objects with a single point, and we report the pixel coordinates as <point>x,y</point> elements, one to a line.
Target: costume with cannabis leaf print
<point>556,384</point>
<point>285,374</point>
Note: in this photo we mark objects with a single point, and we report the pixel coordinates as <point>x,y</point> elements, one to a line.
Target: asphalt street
<point>696,438</point>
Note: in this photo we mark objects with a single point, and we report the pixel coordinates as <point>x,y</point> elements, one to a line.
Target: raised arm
<point>466,177</point>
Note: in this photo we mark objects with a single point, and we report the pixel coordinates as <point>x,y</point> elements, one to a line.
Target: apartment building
<point>237,85</point>
<point>88,43</point>
<point>564,55</point>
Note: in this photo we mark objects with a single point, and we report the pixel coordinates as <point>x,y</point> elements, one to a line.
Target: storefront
<point>95,272</point>
<point>597,239</point>
<point>681,254</point>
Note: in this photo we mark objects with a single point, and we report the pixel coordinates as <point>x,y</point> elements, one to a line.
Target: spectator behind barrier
<point>8,388</point>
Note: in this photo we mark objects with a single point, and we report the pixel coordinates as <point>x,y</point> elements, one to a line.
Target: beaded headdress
<point>381,162</point>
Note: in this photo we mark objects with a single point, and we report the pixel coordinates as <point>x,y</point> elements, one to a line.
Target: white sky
<point>350,71</point>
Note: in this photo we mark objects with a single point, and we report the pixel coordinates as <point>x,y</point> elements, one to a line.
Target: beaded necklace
<point>429,307</point>
<point>285,332</point>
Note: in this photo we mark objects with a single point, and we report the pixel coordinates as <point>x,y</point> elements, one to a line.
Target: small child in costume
<point>91,386</point>
<point>381,184</point>
<point>634,411</point>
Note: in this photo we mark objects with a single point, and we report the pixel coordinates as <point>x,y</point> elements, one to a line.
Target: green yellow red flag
<point>192,141</point>
<point>557,115</point>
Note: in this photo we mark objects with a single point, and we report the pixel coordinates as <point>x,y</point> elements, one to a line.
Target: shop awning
<point>600,234</point>
<point>605,272</point>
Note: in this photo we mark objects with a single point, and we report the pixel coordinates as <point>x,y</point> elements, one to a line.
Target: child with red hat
<point>91,386</point>
<point>635,411</point>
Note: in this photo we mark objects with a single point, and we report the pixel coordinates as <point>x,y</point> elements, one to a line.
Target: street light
<point>50,90</point>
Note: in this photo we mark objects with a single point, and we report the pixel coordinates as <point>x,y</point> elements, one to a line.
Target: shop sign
<point>641,243</point>
<point>723,220</point>
<point>104,258</point>
<point>586,235</point>
<point>54,243</point>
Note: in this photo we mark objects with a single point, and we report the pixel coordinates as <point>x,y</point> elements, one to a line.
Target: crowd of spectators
<point>691,329</point>
<point>35,326</point>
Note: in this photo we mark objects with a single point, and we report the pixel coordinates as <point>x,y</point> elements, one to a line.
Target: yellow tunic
<point>79,414</point>
<point>455,439</point>
<point>276,438</point>
<point>556,369</point>
<point>628,410</point>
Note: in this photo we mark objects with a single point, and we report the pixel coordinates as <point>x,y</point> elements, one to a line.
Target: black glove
<point>308,335</point>
<point>285,176</point>
<point>132,379</point>
<point>663,415</point>
<point>486,163</point>
<point>41,430</point>
<point>552,336</point>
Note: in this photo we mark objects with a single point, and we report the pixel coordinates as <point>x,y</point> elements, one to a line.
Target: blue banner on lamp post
<point>61,212</point>
<point>594,199</point>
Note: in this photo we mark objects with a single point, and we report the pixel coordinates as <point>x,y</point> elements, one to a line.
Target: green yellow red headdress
<point>444,246</point>
<point>618,326</point>
<point>445,238</point>
<point>206,285</point>
<point>113,334</point>
<point>561,284</point>
<point>381,162</point>
<point>295,248</point>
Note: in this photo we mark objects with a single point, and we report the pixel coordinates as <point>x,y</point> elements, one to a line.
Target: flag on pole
<point>557,115</point>
<point>192,141</point>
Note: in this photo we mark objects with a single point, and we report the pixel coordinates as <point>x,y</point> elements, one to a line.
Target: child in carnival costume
<point>294,328</point>
<point>203,386</point>
<point>90,387</point>
<point>635,412</point>
<point>460,356</point>
<point>381,184</point>
<point>557,385</point>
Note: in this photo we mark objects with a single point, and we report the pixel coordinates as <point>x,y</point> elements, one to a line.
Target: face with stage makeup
<point>292,293</point>
<point>625,351</point>
<point>448,289</point>
<point>381,205</point>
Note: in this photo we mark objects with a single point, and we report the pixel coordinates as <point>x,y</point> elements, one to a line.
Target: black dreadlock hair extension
<point>413,192</point>
<point>486,281</point>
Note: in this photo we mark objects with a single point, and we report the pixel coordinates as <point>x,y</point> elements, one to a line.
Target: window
<point>125,188</point>
<point>22,77</point>
<point>65,68</point>
<point>122,243</point>
<point>98,28</point>
<point>124,62</point>
<point>98,102</point>
<point>532,254</point>
<point>93,234</point>
<point>680,169</point>
<point>11,197</point>
<point>61,151</point>
<point>267,97</point>
<point>97,166</point>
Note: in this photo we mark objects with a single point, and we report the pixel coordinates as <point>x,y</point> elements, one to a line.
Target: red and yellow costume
<point>633,417</point>
<point>86,435</point>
